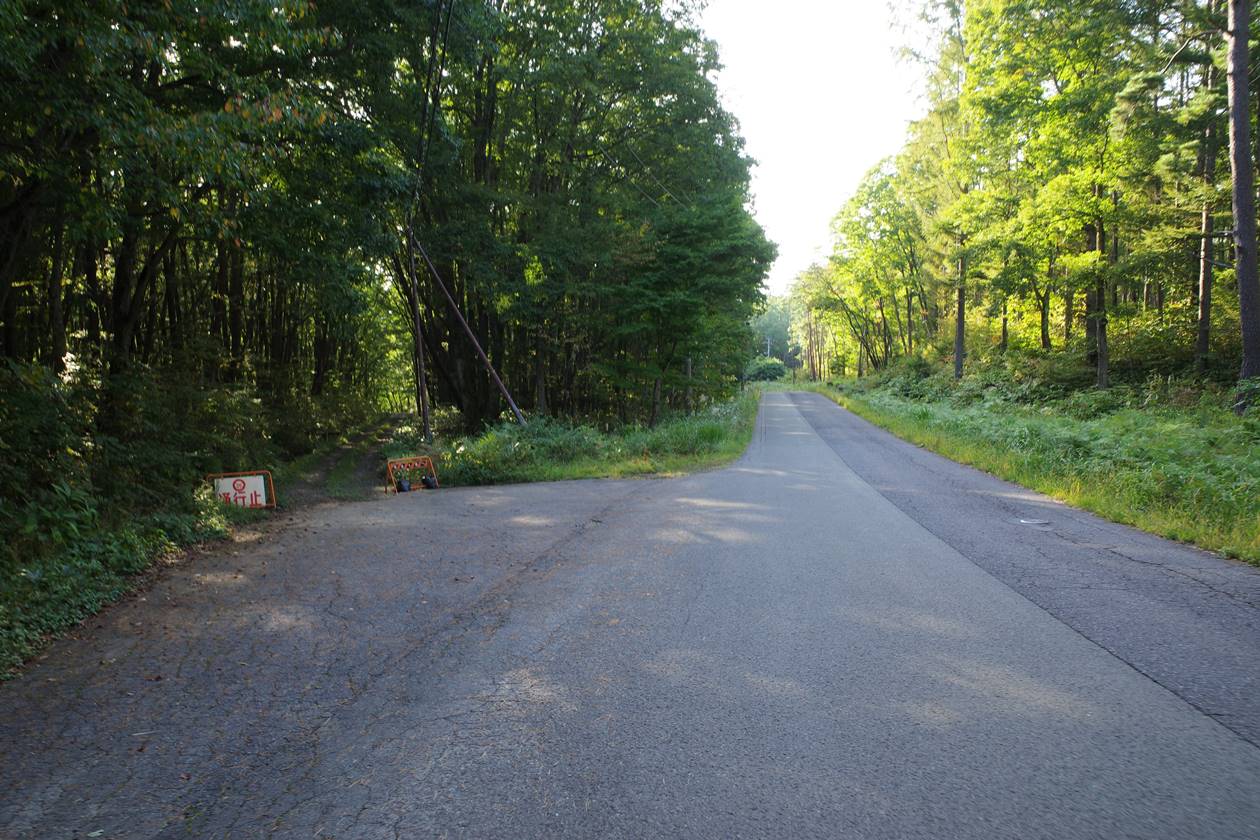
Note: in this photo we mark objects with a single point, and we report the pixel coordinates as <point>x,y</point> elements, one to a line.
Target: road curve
<point>838,636</point>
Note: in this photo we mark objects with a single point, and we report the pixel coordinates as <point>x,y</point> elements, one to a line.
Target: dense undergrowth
<point>1165,454</point>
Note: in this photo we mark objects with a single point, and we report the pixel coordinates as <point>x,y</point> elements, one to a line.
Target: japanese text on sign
<point>243,490</point>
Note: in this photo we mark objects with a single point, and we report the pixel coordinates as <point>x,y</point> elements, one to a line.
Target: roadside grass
<point>552,450</point>
<point>1189,472</point>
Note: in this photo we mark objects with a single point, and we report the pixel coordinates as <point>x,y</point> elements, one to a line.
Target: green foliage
<point>547,450</point>
<point>764,369</point>
<point>772,329</point>
<point>1248,396</point>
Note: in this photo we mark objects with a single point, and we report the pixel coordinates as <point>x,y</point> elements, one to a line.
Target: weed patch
<point>551,450</point>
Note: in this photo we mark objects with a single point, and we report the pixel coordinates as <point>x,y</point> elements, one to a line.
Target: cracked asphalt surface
<point>840,635</point>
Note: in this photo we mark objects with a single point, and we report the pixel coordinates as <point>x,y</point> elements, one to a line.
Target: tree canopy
<point>245,194</point>
<point>1067,188</point>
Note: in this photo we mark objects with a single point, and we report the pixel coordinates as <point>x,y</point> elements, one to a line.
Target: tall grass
<point>549,450</point>
<point>1167,457</point>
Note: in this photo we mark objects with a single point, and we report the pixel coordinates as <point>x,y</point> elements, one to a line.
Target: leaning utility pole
<point>516,412</point>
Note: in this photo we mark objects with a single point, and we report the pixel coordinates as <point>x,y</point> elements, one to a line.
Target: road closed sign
<point>250,490</point>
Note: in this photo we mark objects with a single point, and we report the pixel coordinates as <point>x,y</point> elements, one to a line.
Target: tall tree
<point>1238,68</point>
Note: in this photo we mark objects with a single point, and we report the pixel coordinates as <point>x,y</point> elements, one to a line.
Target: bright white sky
<point>821,97</point>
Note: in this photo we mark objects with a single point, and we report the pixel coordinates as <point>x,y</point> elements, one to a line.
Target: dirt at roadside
<point>352,472</point>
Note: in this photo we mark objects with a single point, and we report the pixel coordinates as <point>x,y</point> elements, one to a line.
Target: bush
<point>549,449</point>
<point>764,369</point>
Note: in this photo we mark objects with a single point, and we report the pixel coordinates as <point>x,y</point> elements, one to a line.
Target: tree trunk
<point>236,310</point>
<point>9,313</point>
<point>1068,304</point>
<point>1100,316</point>
<point>56,315</point>
<point>122,315</point>
<point>417,341</point>
<point>887,333</point>
<point>16,220</point>
<point>901,331</point>
<point>861,369</point>
<point>1244,206</point>
<point>218,300</point>
<point>1202,345</point>
<point>1044,305</point>
<point>656,403</point>
<point>92,284</point>
<point>170,301</point>
<point>322,352</point>
<point>540,375</point>
<point>1098,319</point>
<point>1091,303</point>
<point>909,323</point>
<point>688,384</point>
<point>960,322</point>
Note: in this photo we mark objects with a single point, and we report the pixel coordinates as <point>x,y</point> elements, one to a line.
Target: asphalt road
<point>838,636</point>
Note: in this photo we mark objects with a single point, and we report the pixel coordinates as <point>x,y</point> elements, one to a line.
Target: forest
<point>1054,278</point>
<point>1066,195</point>
<point>232,230</point>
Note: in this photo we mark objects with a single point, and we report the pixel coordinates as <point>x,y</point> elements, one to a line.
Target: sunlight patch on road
<point>778,686</point>
<point>1024,694</point>
<point>718,503</point>
<point>530,521</point>
<point>521,688</point>
<point>283,619</point>
<point>928,713</point>
<point>905,620</point>
<point>221,578</point>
